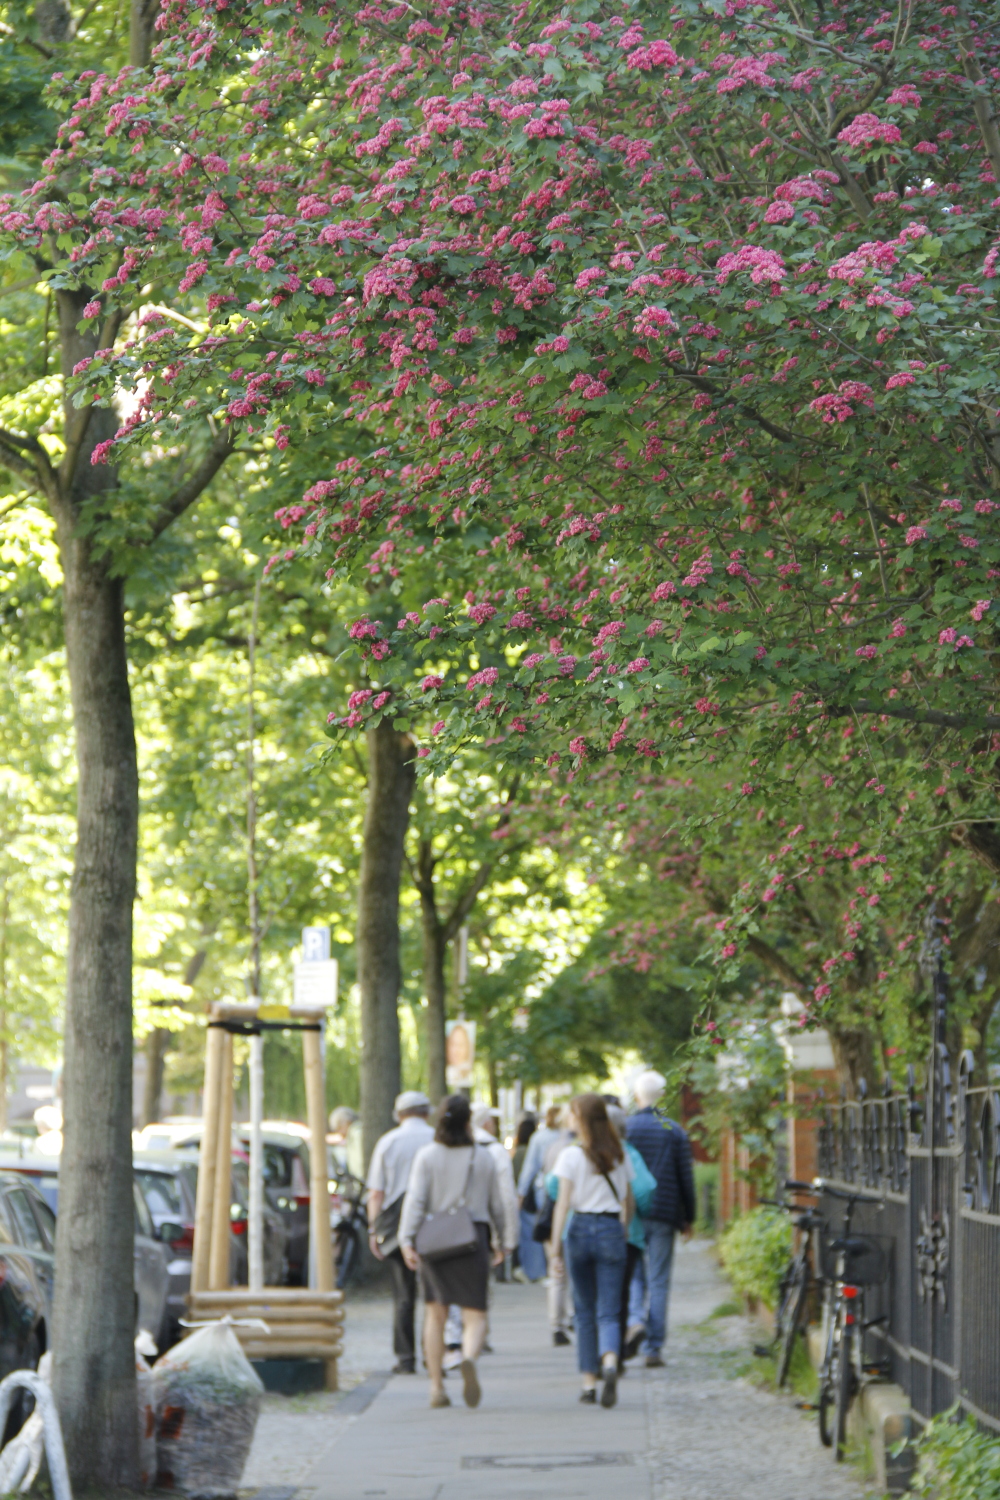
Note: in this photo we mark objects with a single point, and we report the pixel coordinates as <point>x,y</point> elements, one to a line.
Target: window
<point>162,1194</point>
<point>27,1231</point>
<point>46,1219</point>
<point>143,1222</point>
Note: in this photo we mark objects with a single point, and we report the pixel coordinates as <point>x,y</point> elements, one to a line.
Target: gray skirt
<point>462,1280</point>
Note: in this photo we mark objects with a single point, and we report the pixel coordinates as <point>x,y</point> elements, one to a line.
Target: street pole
<point>255,1212</point>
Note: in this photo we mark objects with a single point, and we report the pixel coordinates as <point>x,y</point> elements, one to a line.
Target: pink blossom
<point>520,620</point>
<point>664,591</point>
<point>588,277</point>
<point>356,700</point>
<point>916,534</point>
<point>867,652</point>
<point>979,609</point>
<point>381,650</point>
<point>728,951</point>
<point>868,130</point>
<point>362,628</point>
<point>656,55</point>
<point>437,728</point>
<point>480,613</point>
<point>821,991</point>
<point>779,213</point>
<point>946,637</point>
<point>763,265</point>
<point>609,632</point>
<point>964,640</point>
<point>638,665</point>
<point>92,309</point>
<point>463,204</point>
<point>706,706</point>
<point>647,748</point>
<point>381,700</point>
<point>486,678</point>
<point>578,746</point>
<point>323,286</point>
<point>567,665</point>
<point>898,629</point>
<point>431,681</point>
<point>747,789</point>
<point>925,148</point>
<point>533,659</point>
<point>903,378</point>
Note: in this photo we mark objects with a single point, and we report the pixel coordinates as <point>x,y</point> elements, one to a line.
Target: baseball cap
<point>481,1112</point>
<point>410,1099</point>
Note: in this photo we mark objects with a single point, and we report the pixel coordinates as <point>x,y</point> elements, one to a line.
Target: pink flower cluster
<point>486,678</point>
<point>763,265</point>
<point>836,407</point>
<point>868,130</point>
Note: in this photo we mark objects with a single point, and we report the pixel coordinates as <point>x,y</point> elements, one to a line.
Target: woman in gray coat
<point>451,1170</point>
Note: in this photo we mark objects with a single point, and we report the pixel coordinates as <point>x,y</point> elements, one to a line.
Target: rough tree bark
<point>391,777</point>
<point>94,1303</point>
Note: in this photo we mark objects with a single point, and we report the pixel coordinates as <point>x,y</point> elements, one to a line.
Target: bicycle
<point>852,1263</point>
<point>793,1290</point>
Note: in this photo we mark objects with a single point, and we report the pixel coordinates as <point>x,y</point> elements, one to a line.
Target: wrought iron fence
<point>925,1164</point>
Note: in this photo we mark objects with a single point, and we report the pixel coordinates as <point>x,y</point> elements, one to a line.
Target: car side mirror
<point>169,1231</point>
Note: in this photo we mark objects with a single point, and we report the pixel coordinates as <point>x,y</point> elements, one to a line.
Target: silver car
<point>150,1259</point>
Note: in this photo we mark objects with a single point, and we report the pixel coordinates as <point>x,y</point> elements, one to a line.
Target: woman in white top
<point>595,1185</point>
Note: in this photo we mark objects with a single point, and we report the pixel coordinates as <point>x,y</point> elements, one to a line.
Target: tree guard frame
<point>302,1322</point>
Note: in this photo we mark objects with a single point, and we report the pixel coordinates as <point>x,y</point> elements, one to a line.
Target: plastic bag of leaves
<point>207,1399</point>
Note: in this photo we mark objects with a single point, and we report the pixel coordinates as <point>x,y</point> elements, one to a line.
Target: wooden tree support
<point>303,1322</point>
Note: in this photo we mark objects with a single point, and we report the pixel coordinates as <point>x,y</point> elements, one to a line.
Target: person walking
<point>666,1150</point>
<point>388,1175</point>
<point>453,1173</point>
<point>643,1191</point>
<point>530,1255</point>
<point>595,1184</point>
<point>543,1152</point>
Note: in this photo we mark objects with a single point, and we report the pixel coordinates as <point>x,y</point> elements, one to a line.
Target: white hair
<point>648,1087</point>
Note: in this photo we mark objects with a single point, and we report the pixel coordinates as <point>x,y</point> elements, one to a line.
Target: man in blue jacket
<point>666,1150</point>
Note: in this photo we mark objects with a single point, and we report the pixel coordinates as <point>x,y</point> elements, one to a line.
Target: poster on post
<point>460,1053</point>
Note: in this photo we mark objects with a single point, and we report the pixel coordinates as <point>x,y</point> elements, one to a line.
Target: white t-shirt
<point>591,1193</point>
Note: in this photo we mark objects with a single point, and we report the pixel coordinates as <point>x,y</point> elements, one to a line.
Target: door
<point>151,1270</point>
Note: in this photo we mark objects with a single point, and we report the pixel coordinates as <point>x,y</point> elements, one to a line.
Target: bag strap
<point>611,1185</point>
<point>468,1178</point>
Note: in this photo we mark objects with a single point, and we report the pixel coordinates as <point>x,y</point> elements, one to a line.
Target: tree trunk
<point>435,946</point>
<point>142,32</point>
<point>391,776</point>
<point>856,1052</point>
<point>156,1052</point>
<point>94,1306</point>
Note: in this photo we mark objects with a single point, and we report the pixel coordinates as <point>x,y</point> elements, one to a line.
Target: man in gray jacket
<point>388,1176</point>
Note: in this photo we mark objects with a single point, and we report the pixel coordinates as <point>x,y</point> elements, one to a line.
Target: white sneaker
<point>452,1359</point>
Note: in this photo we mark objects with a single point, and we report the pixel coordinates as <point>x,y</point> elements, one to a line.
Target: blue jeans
<point>530,1252</point>
<point>595,1257</point>
<point>659,1262</point>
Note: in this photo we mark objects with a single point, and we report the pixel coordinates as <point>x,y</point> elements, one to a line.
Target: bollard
<point>55,1454</point>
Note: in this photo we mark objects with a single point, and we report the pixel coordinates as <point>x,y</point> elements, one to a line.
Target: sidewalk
<point>695,1431</point>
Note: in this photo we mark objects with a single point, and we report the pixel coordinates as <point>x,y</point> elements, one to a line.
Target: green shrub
<point>957,1461</point>
<point>755,1250</point>
<point>706,1196</point>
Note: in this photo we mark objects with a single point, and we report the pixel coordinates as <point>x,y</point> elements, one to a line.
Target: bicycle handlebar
<point>801,1187</point>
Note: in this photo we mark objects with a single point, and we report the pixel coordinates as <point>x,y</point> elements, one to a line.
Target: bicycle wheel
<point>825,1412</point>
<point>790,1310</point>
<point>843,1386</point>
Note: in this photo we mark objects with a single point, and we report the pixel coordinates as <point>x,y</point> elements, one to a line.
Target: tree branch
<point>25,455</point>
<point>187,493</point>
<point>914,715</point>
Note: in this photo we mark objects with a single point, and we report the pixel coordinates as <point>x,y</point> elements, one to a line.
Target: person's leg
<point>556,1297</point>
<point>609,1275</point>
<point>581,1268</point>
<point>404,1296</point>
<point>473,1332</point>
<point>434,1316</point>
<point>633,1256</point>
<point>659,1259</point>
<point>637,1294</point>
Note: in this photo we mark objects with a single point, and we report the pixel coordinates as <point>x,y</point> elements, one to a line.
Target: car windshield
<point>162,1193</point>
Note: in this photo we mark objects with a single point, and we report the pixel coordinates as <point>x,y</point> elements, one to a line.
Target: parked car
<point>27,1264</point>
<point>150,1259</point>
<point>169,1183</point>
<point>286,1179</point>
